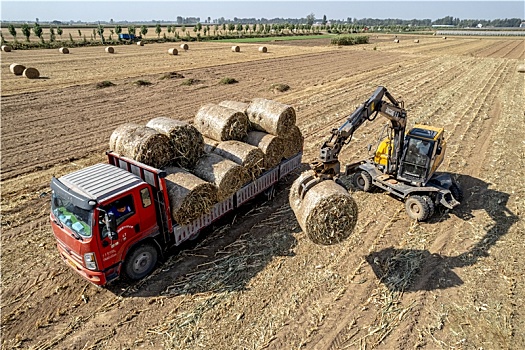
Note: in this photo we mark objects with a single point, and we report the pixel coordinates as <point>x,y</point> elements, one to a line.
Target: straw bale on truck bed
<point>221,123</point>
<point>190,197</point>
<point>248,156</point>
<point>225,174</point>
<point>272,147</point>
<point>292,142</point>
<point>187,143</point>
<point>143,144</point>
<point>327,213</point>
<point>270,116</point>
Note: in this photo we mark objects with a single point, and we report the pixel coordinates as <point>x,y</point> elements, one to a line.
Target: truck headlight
<point>89,260</point>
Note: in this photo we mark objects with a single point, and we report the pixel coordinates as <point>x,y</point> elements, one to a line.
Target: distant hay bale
<point>293,142</point>
<point>236,105</point>
<point>396,40</point>
<point>327,213</point>
<point>221,123</point>
<point>236,48</point>
<point>189,196</point>
<point>521,68</point>
<point>173,51</point>
<point>272,147</point>
<point>140,43</point>
<point>416,41</point>
<point>17,69</point>
<point>271,116</point>
<point>186,142</point>
<point>64,50</point>
<point>225,174</point>
<point>110,49</point>
<point>210,145</point>
<point>6,48</point>
<point>185,47</point>
<point>263,49</point>
<point>248,156</point>
<point>31,73</point>
<point>143,144</point>
<point>444,37</point>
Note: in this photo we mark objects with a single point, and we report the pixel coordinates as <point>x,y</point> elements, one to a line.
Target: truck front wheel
<point>140,262</point>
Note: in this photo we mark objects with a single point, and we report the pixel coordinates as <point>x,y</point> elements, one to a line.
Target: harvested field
<point>256,280</point>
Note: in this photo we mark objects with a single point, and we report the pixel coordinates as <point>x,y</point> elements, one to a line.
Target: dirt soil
<point>254,280</point>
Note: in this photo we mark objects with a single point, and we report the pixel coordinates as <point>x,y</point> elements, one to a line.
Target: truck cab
<point>92,235</point>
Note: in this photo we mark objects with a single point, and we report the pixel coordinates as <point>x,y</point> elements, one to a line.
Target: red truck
<point>100,245</point>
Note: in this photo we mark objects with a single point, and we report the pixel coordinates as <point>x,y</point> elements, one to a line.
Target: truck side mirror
<point>111,225</point>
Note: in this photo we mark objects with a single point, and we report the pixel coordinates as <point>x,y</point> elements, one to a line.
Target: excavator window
<point>417,158</point>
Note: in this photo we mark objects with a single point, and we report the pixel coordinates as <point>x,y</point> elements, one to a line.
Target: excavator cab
<point>424,150</point>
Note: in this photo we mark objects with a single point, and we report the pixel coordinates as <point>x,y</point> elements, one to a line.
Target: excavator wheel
<point>363,181</point>
<point>456,192</point>
<point>417,207</point>
<point>431,206</point>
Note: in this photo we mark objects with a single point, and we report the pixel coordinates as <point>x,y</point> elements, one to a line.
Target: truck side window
<point>146,199</point>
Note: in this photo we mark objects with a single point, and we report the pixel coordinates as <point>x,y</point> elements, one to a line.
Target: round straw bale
<point>521,68</point>
<point>31,73</point>
<point>272,147</point>
<point>189,196</point>
<point>173,51</point>
<point>270,116</point>
<point>327,213</point>
<point>250,157</point>
<point>110,49</point>
<point>396,40</point>
<point>263,49</point>
<point>210,145</point>
<point>293,142</point>
<point>6,48</point>
<point>64,50</point>
<point>186,142</point>
<point>221,123</point>
<point>142,144</point>
<point>184,46</point>
<point>444,37</point>
<point>416,41</point>
<point>140,43</point>
<point>236,105</point>
<point>225,174</point>
<point>17,69</point>
<point>236,48</point>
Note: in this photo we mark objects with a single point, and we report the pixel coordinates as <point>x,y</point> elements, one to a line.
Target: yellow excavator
<point>404,163</point>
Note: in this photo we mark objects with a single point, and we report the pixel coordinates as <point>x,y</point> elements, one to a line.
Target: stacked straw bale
<point>6,48</point>
<point>292,142</point>
<point>143,144</point>
<point>221,123</point>
<point>17,69</point>
<point>173,51</point>
<point>236,105</point>
<point>186,142</point>
<point>110,49</point>
<point>31,73</point>
<point>225,174</point>
<point>248,156</point>
<point>327,213</point>
<point>270,145</point>
<point>63,50</point>
<point>210,145</point>
<point>270,116</point>
<point>189,196</point>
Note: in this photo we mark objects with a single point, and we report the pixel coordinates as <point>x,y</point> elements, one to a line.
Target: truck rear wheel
<point>363,181</point>
<point>417,207</point>
<point>140,262</point>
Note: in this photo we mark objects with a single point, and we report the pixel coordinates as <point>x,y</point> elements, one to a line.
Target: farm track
<point>288,292</point>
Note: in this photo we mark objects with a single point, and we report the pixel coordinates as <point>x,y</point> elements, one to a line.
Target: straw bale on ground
<point>110,49</point>
<point>263,49</point>
<point>293,142</point>
<point>31,73</point>
<point>236,48</point>
<point>173,51</point>
<point>271,116</point>
<point>6,48</point>
<point>327,213</point>
<point>187,143</point>
<point>221,123</point>
<point>250,157</point>
<point>142,144</point>
<point>17,69</point>
<point>184,46</point>
<point>521,68</point>
<point>64,50</point>
<point>190,197</point>
<point>272,147</point>
<point>225,174</point>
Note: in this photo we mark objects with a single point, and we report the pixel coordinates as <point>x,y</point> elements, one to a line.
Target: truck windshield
<point>77,219</point>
